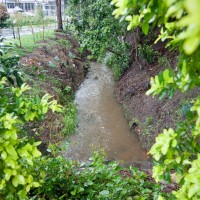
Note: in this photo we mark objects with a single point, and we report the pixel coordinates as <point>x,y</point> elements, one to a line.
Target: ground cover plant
<point>20,110</point>
<point>65,179</point>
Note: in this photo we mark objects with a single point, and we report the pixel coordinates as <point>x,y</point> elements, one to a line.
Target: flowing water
<point>101,123</point>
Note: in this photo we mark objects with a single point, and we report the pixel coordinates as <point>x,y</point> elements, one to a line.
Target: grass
<point>148,126</point>
<point>66,98</point>
<point>69,120</point>
<point>28,44</point>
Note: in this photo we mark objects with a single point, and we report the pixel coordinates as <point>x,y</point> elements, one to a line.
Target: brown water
<point>101,123</point>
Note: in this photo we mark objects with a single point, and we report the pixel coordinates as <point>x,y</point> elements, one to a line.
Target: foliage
<point>95,31</point>
<point>3,15</point>
<point>69,118</point>
<point>163,61</point>
<point>18,153</point>
<point>39,13</point>
<point>65,179</point>
<point>147,53</point>
<point>9,65</point>
<point>177,149</point>
<point>117,65</point>
<point>98,32</point>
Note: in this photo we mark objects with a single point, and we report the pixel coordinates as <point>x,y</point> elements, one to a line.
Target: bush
<point>146,52</point>
<point>3,15</point>
<point>18,153</point>
<point>117,63</point>
<point>66,179</point>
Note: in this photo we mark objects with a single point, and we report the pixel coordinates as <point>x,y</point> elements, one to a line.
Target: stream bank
<point>58,68</point>
<point>148,116</point>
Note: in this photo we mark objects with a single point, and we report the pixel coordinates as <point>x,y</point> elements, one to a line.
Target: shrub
<point>117,63</point>
<point>17,152</point>
<point>146,52</point>
<point>96,180</point>
<point>3,15</point>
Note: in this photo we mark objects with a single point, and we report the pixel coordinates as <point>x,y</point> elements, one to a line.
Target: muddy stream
<point>101,122</point>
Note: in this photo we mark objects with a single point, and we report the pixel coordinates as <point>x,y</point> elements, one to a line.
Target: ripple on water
<point>101,122</point>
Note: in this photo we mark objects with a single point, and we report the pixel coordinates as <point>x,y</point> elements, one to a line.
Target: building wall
<point>48,7</point>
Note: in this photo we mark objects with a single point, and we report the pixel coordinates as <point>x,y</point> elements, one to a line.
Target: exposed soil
<point>147,116</point>
<point>60,58</point>
<point>57,68</point>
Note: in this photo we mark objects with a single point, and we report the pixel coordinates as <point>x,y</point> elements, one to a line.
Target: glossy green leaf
<point>145,28</point>
<point>18,179</point>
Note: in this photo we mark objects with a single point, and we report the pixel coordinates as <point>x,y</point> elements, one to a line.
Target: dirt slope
<point>57,68</point>
<point>147,116</point>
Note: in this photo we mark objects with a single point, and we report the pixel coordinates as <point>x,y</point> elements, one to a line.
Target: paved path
<point>8,32</point>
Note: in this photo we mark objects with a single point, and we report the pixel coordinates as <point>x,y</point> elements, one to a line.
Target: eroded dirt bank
<point>147,116</point>
<point>58,68</point>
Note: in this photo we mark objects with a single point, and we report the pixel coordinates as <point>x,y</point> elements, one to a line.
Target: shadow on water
<point>101,123</point>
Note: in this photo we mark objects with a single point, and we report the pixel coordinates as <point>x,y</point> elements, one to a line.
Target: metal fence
<point>11,32</point>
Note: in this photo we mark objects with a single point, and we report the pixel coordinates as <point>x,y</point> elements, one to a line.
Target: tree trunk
<point>43,27</point>
<point>13,30</point>
<point>59,15</point>
<point>33,33</point>
<point>19,36</point>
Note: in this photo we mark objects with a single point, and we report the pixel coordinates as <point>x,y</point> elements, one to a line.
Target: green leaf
<point>160,198</point>
<point>145,28</point>
<point>30,179</point>
<point>104,192</point>
<point>184,68</point>
<point>8,173</point>
<point>73,192</point>
<point>11,150</point>
<point>174,143</point>
<point>18,179</point>
<point>37,143</point>
<point>194,188</point>
<point>165,148</point>
<point>166,74</point>
<point>22,194</point>
<point>36,184</point>
<point>178,159</point>
<point>36,152</point>
<point>2,184</point>
<point>3,155</point>
<point>28,187</point>
<point>191,44</point>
